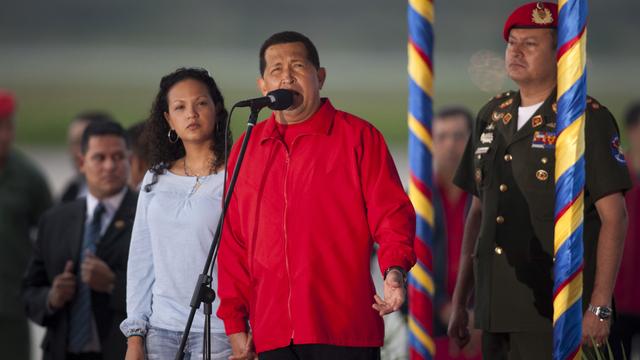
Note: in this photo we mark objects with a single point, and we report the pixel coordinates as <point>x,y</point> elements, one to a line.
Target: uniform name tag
<point>544,140</point>
<point>482,150</point>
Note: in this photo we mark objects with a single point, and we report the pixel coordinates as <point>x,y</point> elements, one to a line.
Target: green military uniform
<point>24,196</point>
<point>512,172</point>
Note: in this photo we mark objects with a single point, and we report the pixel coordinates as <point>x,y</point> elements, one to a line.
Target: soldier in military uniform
<point>508,166</point>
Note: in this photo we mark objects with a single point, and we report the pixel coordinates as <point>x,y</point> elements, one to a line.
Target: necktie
<point>80,331</point>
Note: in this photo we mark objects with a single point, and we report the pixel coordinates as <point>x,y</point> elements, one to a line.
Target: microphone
<point>280,99</point>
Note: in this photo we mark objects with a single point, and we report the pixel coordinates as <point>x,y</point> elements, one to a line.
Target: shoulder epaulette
<point>503,95</point>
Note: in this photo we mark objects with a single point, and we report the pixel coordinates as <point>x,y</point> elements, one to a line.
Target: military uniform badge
<point>536,121</point>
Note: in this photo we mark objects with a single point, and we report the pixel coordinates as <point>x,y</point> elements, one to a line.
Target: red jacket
<point>296,244</point>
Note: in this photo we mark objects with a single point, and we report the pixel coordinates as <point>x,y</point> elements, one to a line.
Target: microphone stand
<point>203,293</point>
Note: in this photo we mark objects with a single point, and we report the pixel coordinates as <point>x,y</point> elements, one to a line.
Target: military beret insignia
<point>536,121</point>
<point>541,15</point>
<point>506,118</point>
<point>616,150</point>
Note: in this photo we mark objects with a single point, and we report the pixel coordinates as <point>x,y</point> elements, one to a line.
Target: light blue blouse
<point>172,232</point>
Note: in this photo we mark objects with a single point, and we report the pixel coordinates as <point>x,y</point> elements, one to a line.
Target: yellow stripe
<point>420,132</point>
<point>567,297</point>
<point>572,65</point>
<point>422,336</point>
<point>568,223</point>
<point>578,355</point>
<point>561,3</point>
<point>569,146</point>
<point>424,8</point>
<point>423,278</point>
<point>419,71</point>
<point>421,203</point>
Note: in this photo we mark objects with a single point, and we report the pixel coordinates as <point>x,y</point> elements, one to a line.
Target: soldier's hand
<point>63,288</point>
<point>135,348</point>
<point>97,274</point>
<point>593,328</point>
<point>394,293</point>
<point>459,326</point>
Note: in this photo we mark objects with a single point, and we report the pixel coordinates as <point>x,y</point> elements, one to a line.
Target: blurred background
<point>66,56</point>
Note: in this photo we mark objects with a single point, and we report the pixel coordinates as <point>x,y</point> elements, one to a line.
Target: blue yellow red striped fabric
<point>569,178</point>
<point>420,16</point>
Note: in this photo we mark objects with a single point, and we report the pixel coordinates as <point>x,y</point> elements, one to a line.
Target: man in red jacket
<point>317,188</point>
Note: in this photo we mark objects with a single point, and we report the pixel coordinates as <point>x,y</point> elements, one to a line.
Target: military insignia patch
<point>496,116</point>
<point>490,127</point>
<point>617,152</point>
<point>506,103</point>
<point>486,138</point>
<point>536,121</point>
<point>551,125</point>
<point>544,140</point>
<point>541,15</point>
<point>506,118</point>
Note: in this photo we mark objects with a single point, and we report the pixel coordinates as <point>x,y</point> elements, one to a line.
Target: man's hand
<point>459,326</point>
<point>135,348</point>
<point>97,274</point>
<point>593,328</point>
<point>394,293</point>
<point>63,288</point>
<point>242,347</point>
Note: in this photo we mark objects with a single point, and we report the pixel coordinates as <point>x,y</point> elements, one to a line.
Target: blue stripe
<point>425,232</point>
<point>568,258</point>
<point>572,103</point>
<point>419,158</point>
<point>569,185</point>
<point>567,332</point>
<point>420,32</point>
<point>420,104</point>
<point>569,26</point>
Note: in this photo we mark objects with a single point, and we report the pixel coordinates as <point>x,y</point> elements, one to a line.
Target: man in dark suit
<point>75,283</point>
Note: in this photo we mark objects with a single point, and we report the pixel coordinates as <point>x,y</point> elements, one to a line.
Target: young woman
<point>179,204</point>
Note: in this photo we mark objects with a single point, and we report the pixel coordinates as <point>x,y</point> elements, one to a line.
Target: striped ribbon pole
<point>570,178</point>
<point>420,16</point>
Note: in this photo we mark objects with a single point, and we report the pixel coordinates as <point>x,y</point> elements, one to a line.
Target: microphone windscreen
<point>283,99</point>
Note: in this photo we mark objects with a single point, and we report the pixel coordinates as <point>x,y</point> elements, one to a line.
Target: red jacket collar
<point>319,123</point>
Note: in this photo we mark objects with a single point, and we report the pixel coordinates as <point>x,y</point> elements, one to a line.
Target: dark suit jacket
<point>60,236</point>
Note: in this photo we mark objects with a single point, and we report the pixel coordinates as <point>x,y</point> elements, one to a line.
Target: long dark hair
<point>163,153</point>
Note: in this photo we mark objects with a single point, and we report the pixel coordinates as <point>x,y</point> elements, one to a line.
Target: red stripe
<point>565,47</point>
<point>421,308</point>
<point>574,353</point>
<point>414,355</point>
<point>422,54</point>
<point>566,208</point>
<point>423,252</point>
<point>422,187</point>
<point>568,280</point>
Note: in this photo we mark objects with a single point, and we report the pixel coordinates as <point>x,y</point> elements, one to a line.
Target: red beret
<point>7,104</point>
<point>535,15</point>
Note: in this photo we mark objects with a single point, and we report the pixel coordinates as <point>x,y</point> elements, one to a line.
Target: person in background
<point>626,327</point>
<point>76,187</point>
<point>180,203</point>
<point>452,127</point>
<point>139,155</point>
<point>24,196</point>
<point>75,283</point>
